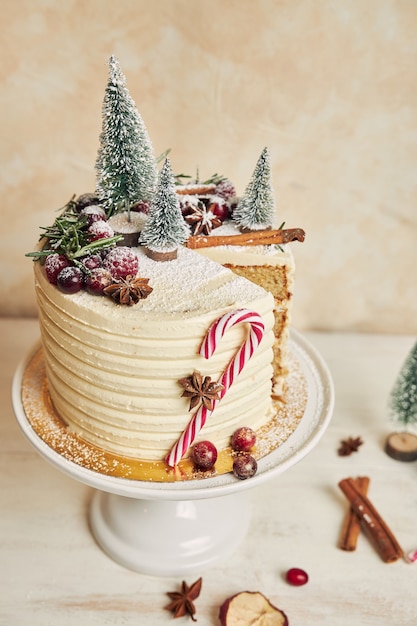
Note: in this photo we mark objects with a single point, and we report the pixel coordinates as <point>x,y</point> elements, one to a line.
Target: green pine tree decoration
<point>403,400</point>
<point>256,208</point>
<point>126,169</point>
<point>165,229</point>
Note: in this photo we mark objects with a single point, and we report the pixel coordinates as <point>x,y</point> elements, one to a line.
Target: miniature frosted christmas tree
<point>165,229</point>
<point>403,405</point>
<point>125,166</point>
<point>256,209</point>
<point>404,393</point>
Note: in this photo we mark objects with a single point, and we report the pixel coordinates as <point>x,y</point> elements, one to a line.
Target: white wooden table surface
<point>52,573</point>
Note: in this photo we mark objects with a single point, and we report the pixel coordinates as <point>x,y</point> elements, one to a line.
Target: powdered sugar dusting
<point>186,286</point>
<point>288,411</point>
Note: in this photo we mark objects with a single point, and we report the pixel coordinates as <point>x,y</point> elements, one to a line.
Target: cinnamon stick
<point>379,533</point>
<point>253,238</point>
<point>352,523</point>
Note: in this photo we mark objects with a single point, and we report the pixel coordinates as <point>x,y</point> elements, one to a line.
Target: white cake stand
<point>171,529</point>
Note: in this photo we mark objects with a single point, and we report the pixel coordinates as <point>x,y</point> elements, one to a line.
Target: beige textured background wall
<point>330,86</point>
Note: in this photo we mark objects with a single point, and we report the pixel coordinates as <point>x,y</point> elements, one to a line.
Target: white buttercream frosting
<point>113,370</point>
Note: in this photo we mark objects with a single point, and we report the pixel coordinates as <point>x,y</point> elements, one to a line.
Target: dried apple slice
<point>251,608</point>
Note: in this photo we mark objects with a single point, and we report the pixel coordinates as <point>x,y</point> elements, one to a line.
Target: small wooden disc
<point>402,446</point>
<point>161,256</point>
<point>131,240</point>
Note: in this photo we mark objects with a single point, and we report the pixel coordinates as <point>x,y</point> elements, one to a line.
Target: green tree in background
<point>403,400</point>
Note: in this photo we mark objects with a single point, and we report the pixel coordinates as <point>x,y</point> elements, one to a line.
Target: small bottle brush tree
<point>125,166</point>
<point>403,400</point>
<point>165,229</point>
<point>256,209</point>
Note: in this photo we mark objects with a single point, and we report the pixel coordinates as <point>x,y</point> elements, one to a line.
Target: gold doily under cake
<point>47,424</point>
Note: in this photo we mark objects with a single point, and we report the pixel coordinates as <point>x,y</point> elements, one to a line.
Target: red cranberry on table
<point>296,577</point>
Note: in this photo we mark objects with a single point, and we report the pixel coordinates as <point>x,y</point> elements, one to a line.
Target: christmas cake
<point>179,337</point>
<point>113,370</point>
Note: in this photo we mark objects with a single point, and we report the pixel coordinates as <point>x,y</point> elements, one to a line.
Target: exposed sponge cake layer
<point>271,267</point>
<point>113,370</point>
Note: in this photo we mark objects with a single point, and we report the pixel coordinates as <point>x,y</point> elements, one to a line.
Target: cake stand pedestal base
<point>169,538</point>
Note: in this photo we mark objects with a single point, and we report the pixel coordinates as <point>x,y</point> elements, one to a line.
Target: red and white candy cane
<point>207,349</point>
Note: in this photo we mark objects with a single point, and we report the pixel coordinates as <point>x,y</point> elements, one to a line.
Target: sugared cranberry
<point>220,210</point>
<point>141,206</point>
<point>54,263</point>
<point>226,189</point>
<point>97,280</point>
<point>100,230</point>
<point>243,439</point>
<point>93,213</point>
<point>296,576</point>
<point>121,261</point>
<point>92,261</point>
<point>204,455</point>
<point>244,466</point>
<point>70,279</point>
<point>86,199</point>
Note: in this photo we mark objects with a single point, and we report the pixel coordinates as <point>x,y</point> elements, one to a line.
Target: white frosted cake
<point>113,371</point>
<point>164,310</point>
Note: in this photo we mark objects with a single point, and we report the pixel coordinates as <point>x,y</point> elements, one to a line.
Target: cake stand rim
<point>321,399</point>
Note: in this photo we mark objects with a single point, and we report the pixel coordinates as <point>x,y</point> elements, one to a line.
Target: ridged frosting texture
<point>113,370</point>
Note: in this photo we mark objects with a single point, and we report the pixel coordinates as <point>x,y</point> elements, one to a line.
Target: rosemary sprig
<point>68,235</point>
<point>214,179</point>
<point>163,156</point>
<point>179,178</point>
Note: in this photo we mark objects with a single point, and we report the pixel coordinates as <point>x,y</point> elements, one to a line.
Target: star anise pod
<point>201,219</point>
<point>128,290</point>
<point>200,389</point>
<point>182,602</point>
<point>347,446</point>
